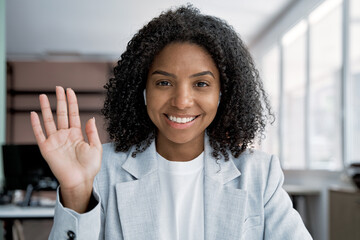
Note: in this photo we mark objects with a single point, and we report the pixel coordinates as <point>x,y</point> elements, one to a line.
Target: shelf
<point>13,111</point>
<point>52,92</point>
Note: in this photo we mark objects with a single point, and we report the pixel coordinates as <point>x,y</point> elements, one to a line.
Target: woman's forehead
<point>184,55</point>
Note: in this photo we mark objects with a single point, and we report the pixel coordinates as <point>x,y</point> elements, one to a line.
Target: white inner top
<point>182,199</point>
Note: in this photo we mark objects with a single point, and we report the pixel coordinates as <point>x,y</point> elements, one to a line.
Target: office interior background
<point>307,52</point>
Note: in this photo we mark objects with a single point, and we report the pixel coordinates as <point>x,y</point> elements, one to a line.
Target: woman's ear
<point>144,96</point>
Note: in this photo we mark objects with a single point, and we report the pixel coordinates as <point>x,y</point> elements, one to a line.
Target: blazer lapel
<point>138,200</point>
<point>224,206</point>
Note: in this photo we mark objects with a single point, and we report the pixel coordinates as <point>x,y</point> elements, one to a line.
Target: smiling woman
<point>184,105</point>
<point>183,90</point>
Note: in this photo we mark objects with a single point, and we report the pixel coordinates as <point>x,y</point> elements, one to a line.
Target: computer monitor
<point>26,169</point>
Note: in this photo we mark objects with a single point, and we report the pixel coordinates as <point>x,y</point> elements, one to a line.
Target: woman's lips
<point>180,122</point>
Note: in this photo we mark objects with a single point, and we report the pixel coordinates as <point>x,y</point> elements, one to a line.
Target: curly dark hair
<point>244,108</point>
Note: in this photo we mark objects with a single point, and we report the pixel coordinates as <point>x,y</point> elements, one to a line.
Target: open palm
<point>73,161</point>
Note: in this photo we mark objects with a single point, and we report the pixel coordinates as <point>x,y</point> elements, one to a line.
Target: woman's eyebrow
<point>202,74</point>
<point>174,76</point>
<point>164,73</point>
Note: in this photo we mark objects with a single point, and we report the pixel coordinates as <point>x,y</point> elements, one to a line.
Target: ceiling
<point>103,28</point>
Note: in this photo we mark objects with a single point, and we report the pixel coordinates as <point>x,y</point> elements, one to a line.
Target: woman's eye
<point>201,84</point>
<point>163,83</point>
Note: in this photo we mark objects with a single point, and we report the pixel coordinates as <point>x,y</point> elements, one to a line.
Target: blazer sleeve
<point>282,221</point>
<point>69,224</point>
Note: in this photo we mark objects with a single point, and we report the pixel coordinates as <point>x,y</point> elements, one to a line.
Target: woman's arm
<point>73,161</point>
<point>89,225</point>
<point>282,221</point>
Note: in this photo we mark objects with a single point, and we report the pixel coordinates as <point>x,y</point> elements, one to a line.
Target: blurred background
<point>308,55</point>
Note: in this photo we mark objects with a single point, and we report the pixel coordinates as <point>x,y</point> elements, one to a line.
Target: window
<point>307,93</point>
<point>353,113</point>
<point>293,100</point>
<point>271,77</point>
<point>325,139</point>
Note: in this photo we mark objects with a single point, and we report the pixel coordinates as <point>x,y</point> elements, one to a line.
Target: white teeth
<point>181,120</point>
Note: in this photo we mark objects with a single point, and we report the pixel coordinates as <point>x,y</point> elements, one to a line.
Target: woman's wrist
<point>77,199</point>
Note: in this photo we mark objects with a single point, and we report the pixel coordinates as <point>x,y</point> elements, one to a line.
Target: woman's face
<point>182,92</point>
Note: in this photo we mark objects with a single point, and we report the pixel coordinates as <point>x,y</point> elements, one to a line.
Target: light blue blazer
<point>243,199</point>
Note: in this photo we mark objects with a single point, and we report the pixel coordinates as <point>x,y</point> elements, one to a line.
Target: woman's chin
<point>184,138</point>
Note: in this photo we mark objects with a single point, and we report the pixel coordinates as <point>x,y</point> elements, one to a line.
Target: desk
<point>17,212</point>
<point>9,213</point>
<point>301,190</point>
<point>344,215</point>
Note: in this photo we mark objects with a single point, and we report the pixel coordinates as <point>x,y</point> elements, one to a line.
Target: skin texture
<point>73,161</point>
<point>183,81</point>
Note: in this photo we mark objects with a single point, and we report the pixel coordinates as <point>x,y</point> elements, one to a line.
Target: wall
<point>2,87</point>
<point>275,31</point>
<point>2,83</point>
<point>28,79</point>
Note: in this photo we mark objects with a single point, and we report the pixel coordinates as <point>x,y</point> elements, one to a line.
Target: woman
<point>183,107</point>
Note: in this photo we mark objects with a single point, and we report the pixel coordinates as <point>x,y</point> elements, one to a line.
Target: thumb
<point>92,133</point>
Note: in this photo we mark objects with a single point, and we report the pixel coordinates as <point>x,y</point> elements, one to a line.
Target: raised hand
<point>73,161</point>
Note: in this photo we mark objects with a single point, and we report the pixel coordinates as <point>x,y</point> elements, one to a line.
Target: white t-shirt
<point>182,199</point>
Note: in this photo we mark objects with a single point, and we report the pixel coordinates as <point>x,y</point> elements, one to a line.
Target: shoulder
<point>111,169</point>
<point>254,155</point>
<point>110,153</point>
<point>254,160</point>
<point>112,159</point>
<point>112,162</point>
<point>258,168</point>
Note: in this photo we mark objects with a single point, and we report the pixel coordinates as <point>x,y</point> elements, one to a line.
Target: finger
<point>92,133</point>
<point>61,109</point>
<point>36,126</point>
<point>47,115</point>
<point>74,117</point>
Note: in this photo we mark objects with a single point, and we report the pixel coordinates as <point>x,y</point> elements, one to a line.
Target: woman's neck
<point>180,152</point>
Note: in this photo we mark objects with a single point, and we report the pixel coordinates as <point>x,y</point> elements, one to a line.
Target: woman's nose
<point>183,98</point>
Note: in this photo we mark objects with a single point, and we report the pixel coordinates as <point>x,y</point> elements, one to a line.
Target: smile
<point>181,120</point>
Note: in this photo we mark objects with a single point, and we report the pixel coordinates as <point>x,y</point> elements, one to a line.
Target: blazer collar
<point>138,201</point>
<point>143,164</point>
<point>146,163</point>
<point>219,170</point>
